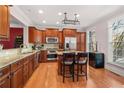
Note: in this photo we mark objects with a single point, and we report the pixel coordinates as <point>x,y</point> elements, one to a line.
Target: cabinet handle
<point>9,77</point>
<point>1,73</point>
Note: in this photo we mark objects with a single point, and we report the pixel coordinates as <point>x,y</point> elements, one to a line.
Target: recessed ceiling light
<point>57,22</point>
<point>78,15</point>
<point>59,13</point>
<point>40,11</point>
<point>44,21</point>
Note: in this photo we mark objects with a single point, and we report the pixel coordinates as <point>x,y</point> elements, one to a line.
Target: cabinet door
<point>44,56</point>
<point>38,36</point>
<point>43,37</point>
<point>78,41</point>
<point>52,32</point>
<point>5,83</point>
<point>69,32</point>
<point>83,41</point>
<point>31,35</point>
<point>4,21</point>
<point>25,73</point>
<point>31,66</point>
<point>60,37</point>
<point>17,78</point>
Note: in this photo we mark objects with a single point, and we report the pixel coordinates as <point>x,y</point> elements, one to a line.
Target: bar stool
<point>81,62</point>
<point>68,61</point>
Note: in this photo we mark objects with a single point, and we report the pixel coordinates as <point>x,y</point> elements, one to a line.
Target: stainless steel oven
<point>52,40</point>
<point>51,55</point>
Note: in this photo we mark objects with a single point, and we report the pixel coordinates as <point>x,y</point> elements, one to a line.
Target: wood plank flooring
<point>45,76</point>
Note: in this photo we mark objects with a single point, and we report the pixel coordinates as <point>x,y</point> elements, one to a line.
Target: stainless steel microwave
<point>52,40</point>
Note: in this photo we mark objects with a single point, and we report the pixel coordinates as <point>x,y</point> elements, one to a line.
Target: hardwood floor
<point>45,76</point>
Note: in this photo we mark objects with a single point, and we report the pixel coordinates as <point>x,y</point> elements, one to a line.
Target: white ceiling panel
<point>88,13</point>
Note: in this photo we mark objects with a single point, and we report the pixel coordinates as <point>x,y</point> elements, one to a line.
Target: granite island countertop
<point>7,60</point>
<point>70,51</point>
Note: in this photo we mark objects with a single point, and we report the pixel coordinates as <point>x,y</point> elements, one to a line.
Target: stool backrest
<point>82,56</point>
<point>70,57</point>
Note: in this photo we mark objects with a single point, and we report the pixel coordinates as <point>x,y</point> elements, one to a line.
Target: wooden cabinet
<point>61,39</point>
<point>4,21</point>
<point>43,36</point>
<point>17,74</point>
<point>36,60</point>
<point>60,36</point>
<point>67,32</point>
<point>17,78</point>
<point>5,77</point>
<point>36,35</point>
<point>52,32</point>
<point>31,65</point>
<point>32,35</point>
<point>5,82</point>
<point>81,41</point>
<point>26,70</point>
<point>78,41</point>
<point>44,56</point>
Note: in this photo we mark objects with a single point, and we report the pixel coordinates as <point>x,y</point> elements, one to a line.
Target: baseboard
<point>115,69</point>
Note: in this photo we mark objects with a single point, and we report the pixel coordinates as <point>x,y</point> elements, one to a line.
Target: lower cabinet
<point>96,60</point>
<point>17,74</point>
<point>17,78</point>
<point>26,70</point>
<point>5,77</point>
<point>43,56</point>
<point>30,64</point>
<point>5,82</point>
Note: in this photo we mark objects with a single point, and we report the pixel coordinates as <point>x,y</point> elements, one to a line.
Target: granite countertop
<point>61,52</point>
<point>7,60</point>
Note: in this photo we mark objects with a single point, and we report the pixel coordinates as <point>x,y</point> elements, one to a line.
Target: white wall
<point>25,35</point>
<point>20,16</point>
<point>101,28</point>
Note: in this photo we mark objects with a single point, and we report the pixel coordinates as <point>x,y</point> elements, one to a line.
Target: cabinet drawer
<point>5,83</point>
<point>26,60</point>
<point>4,71</point>
<point>16,65</point>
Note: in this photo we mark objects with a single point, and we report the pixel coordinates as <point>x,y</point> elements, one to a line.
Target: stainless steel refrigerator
<point>70,43</point>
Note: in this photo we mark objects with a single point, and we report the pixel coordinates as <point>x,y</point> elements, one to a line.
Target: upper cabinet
<point>36,35</point>
<point>52,32</point>
<point>32,34</point>
<point>4,21</point>
<point>81,41</point>
<point>60,36</point>
<point>67,32</point>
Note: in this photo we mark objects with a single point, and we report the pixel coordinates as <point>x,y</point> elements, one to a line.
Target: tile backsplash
<point>51,46</point>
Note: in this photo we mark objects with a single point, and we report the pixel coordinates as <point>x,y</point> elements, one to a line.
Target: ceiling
<point>88,14</point>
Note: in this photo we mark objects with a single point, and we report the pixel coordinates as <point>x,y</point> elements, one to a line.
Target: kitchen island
<point>60,58</point>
